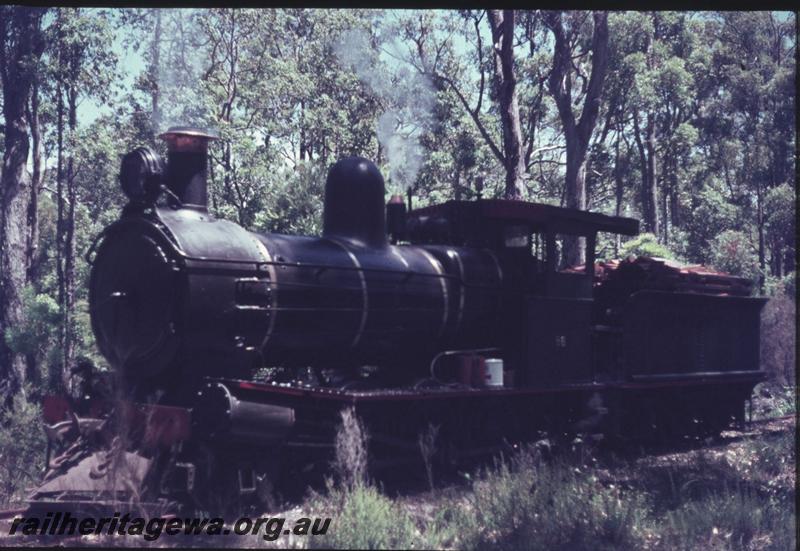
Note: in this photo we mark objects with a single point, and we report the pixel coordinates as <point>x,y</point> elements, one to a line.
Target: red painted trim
<point>163,425</point>
<point>55,409</point>
<point>350,397</point>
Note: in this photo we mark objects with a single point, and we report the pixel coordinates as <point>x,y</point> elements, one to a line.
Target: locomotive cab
<point>547,328</point>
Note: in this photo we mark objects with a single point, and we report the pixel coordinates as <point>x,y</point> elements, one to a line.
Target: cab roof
<point>538,216</point>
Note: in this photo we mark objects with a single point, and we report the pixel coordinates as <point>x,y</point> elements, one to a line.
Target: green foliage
<point>364,518</point>
<point>36,336</point>
<point>779,209</point>
<point>710,214</point>
<point>778,338</point>
<point>775,456</point>
<point>732,252</point>
<point>293,204</point>
<point>369,520</point>
<point>739,499</point>
<point>22,447</point>
<point>773,399</point>
<point>85,344</point>
<point>87,36</point>
<point>528,503</point>
<point>734,519</point>
<point>646,244</point>
<point>714,85</point>
<point>786,285</point>
<point>36,333</point>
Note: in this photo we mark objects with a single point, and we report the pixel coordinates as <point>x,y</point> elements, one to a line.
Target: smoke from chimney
<point>410,97</point>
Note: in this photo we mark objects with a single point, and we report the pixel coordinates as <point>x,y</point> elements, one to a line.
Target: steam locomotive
<point>238,350</point>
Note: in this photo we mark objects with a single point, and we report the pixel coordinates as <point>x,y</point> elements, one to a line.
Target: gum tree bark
<point>20,45</point>
<point>648,168</point>
<point>577,132</point>
<point>505,83</point>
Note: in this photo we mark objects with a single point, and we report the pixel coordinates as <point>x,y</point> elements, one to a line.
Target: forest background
<point>683,120</point>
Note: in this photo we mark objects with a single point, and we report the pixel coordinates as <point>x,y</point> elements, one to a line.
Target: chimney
<point>187,163</point>
<point>396,218</point>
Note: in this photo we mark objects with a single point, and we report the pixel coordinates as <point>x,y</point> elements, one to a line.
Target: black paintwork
<point>178,295</point>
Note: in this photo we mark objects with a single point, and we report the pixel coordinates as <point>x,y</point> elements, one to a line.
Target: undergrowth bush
<point>741,497</point>
<point>738,518</point>
<point>362,517</point>
<point>772,399</point>
<point>365,518</point>
<point>22,449</point>
<point>768,460</point>
<point>777,453</point>
<point>646,244</point>
<point>778,338</point>
<point>528,503</point>
<point>350,460</point>
<point>368,520</point>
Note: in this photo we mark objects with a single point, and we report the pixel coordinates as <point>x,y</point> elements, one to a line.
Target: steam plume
<point>180,71</point>
<point>410,99</point>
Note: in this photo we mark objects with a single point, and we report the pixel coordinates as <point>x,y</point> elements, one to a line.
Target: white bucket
<point>494,372</point>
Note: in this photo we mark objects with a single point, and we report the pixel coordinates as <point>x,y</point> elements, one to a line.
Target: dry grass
<point>427,448</point>
<point>22,450</point>
<point>350,460</point>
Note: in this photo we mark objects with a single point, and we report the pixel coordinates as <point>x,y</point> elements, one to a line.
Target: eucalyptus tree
<point>543,138</point>
<point>474,59</point>
<point>85,64</point>
<point>21,44</point>
<point>570,56</point>
<point>271,84</point>
<point>655,102</point>
<point>755,54</point>
<point>504,80</point>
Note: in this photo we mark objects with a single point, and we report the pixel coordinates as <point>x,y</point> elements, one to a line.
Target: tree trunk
<point>69,238</point>
<point>32,261</point>
<point>456,181</point>
<point>577,133</point>
<point>57,370</point>
<point>155,69</point>
<point>66,89</point>
<point>652,175</point>
<point>19,43</point>
<point>761,238</point>
<point>674,198</point>
<point>60,191</point>
<point>302,131</point>
<point>647,166</point>
<point>618,191</point>
<point>665,193</point>
<point>32,256</point>
<point>501,23</point>
<point>575,196</point>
